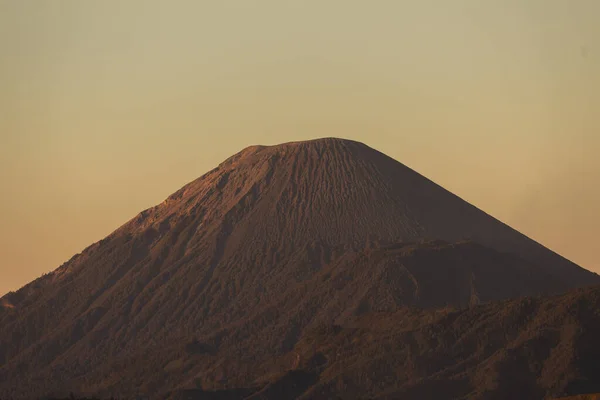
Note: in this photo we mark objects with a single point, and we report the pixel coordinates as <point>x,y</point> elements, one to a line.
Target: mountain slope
<point>529,348</point>
<point>274,241</point>
<point>519,349</point>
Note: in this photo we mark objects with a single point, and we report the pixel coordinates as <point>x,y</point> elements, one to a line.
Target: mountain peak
<point>318,142</point>
<point>334,191</point>
<point>319,146</point>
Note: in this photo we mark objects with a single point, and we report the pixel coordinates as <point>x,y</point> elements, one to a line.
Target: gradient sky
<point>107,107</point>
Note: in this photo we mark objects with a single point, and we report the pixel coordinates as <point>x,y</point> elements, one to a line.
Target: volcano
<point>217,287</point>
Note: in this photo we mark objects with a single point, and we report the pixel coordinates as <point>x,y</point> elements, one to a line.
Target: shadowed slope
<point>519,349</point>
<point>274,240</point>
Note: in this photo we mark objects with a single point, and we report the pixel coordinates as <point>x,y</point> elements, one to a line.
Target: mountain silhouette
<point>217,286</point>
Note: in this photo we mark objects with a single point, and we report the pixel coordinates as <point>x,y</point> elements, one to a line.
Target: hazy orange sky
<point>107,107</point>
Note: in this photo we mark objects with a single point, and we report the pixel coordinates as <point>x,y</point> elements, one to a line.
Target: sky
<point>107,107</point>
